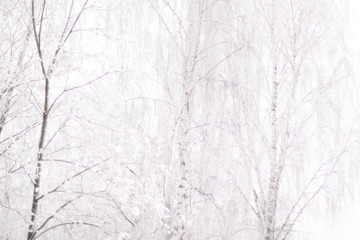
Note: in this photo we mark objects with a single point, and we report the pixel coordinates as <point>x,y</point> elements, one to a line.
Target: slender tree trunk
<point>46,72</point>
<point>275,161</point>
<point>275,167</point>
<point>45,114</point>
<point>191,51</point>
<point>35,201</point>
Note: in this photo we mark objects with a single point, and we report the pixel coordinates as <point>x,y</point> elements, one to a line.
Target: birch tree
<point>46,71</point>
<point>195,12</point>
<point>292,33</point>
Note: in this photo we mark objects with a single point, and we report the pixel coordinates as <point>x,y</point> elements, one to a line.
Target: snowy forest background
<point>169,119</point>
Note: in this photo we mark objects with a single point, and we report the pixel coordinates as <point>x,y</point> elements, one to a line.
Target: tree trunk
<point>275,165</point>
<point>35,200</point>
<point>191,51</point>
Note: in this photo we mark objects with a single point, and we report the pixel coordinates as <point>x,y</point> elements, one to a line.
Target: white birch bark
<point>195,12</point>
<point>276,163</point>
